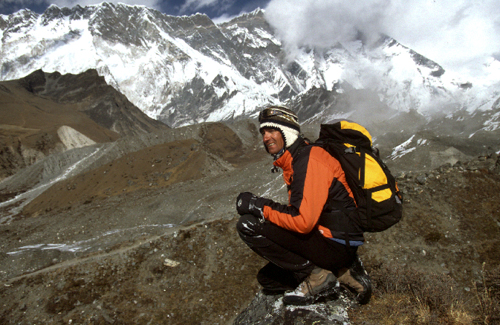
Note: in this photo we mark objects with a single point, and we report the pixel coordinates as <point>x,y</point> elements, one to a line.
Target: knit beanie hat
<point>282,119</point>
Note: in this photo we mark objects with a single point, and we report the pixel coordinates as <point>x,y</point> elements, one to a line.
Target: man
<point>309,244</point>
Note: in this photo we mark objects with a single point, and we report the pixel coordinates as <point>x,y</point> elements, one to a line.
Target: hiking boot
<point>318,285</point>
<point>357,280</point>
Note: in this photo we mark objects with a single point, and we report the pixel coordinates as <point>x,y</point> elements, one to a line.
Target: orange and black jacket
<point>314,178</point>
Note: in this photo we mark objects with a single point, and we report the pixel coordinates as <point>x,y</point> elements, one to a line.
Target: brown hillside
<point>34,108</point>
<point>29,124</point>
<point>23,110</point>
<point>154,167</point>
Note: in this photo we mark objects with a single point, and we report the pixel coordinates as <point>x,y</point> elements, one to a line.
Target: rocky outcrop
<point>269,309</point>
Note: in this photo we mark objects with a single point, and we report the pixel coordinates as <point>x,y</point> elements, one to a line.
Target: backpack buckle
<point>350,150</point>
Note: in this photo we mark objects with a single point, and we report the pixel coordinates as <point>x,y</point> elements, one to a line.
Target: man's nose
<point>265,136</point>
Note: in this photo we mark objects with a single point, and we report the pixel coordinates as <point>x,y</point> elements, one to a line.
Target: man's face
<point>273,140</point>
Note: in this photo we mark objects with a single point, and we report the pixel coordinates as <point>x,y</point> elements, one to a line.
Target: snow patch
<point>402,149</point>
<point>80,246</point>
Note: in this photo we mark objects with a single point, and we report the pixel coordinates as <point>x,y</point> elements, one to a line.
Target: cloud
<point>324,23</point>
<point>219,6</point>
<point>223,18</point>
<point>460,35</point>
<point>196,4</point>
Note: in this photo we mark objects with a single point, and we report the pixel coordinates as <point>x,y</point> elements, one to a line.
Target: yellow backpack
<point>378,199</point>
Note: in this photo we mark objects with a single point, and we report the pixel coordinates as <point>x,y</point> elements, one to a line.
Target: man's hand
<point>250,203</point>
<point>245,203</point>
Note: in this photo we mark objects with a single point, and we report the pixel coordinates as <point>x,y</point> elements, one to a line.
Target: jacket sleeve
<point>315,176</point>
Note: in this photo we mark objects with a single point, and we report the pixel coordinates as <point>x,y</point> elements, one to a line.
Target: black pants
<point>294,255</point>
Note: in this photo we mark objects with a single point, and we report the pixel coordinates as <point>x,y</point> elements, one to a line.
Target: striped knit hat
<point>282,119</point>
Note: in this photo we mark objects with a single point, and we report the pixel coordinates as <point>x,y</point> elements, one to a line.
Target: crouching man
<point>309,245</point>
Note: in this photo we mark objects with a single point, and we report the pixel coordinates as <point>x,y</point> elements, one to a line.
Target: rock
<point>421,179</point>
<point>269,309</point>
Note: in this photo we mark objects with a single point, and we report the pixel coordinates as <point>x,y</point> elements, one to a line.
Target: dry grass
<point>403,295</point>
<point>488,296</point>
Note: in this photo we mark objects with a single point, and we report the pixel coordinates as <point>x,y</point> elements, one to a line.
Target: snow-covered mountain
<point>185,70</point>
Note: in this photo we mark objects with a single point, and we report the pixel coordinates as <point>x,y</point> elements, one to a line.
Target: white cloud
<point>223,18</point>
<point>460,35</point>
<point>323,23</point>
<point>194,5</point>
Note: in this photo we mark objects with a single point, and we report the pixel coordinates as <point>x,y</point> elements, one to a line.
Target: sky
<point>215,9</point>
<point>460,35</point>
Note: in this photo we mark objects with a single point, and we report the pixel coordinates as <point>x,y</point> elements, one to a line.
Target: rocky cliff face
<point>185,70</point>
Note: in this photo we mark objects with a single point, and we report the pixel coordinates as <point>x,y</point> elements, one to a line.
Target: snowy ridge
<point>185,70</point>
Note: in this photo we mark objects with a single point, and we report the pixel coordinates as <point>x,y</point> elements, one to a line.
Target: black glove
<point>245,203</point>
<point>250,203</point>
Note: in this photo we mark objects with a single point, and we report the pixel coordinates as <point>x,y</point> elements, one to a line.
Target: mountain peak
<point>246,16</point>
<point>185,70</point>
<point>257,12</point>
<point>23,16</point>
<point>198,20</point>
<point>120,7</point>
<point>53,12</point>
<point>52,7</point>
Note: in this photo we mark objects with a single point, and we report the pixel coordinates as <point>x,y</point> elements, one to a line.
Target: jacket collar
<point>286,158</point>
